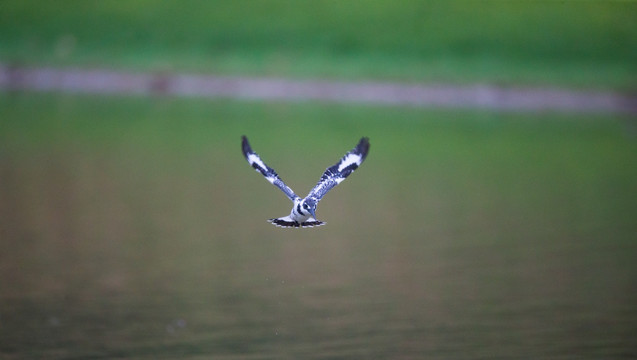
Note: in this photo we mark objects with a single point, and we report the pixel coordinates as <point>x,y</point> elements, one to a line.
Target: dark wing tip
<point>363,147</point>
<point>245,146</point>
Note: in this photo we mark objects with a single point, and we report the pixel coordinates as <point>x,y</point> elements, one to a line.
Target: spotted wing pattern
<point>335,174</point>
<point>269,173</point>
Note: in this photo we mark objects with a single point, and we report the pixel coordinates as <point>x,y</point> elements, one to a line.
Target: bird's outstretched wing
<point>269,173</point>
<point>337,173</point>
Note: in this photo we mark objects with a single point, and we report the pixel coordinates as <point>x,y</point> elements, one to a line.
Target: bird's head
<point>309,205</point>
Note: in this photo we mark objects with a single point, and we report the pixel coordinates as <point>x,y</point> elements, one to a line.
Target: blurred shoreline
<point>482,96</point>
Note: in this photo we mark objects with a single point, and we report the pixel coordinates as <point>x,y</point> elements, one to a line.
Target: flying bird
<point>303,212</point>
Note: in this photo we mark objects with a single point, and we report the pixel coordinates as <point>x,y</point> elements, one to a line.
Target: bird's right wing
<point>269,173</point>
<point>333,175</point>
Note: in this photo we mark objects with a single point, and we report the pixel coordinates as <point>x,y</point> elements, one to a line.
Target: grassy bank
<point>580,44</point>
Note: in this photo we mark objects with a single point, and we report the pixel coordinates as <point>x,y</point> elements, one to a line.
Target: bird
<point>303,214</point>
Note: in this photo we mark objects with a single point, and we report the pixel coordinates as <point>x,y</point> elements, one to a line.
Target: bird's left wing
<point>269,173</point>
<point>335,174</point>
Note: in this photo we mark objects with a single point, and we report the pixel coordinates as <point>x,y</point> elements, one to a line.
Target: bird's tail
<point>287,222</point>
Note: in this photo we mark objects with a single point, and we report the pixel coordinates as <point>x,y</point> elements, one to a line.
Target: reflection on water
<point>109,256</point>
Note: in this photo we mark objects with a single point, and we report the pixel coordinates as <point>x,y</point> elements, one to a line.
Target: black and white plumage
<point>303,211</point>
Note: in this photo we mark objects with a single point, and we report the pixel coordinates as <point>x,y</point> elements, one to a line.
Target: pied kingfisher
<point>303,211</point>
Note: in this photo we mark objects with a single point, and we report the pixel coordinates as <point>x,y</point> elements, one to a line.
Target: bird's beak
<point>313,214</point>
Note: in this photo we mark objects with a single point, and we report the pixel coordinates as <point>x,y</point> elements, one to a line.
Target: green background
<point>577,43</point>
<point>132,227</point>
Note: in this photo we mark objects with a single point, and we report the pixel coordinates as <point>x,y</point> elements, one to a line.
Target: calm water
<point>102,260</point>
